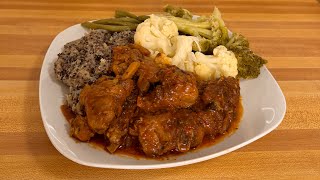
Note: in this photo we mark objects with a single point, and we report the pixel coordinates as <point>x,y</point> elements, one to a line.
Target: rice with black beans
<point>84,60</point>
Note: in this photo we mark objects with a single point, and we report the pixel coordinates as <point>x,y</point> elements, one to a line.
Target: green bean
<point>120,13</point>
<point>112,28</point>
<point>122,19</point>
<point>143,18</point>
<point>114,22</point>
<point>128,19</point>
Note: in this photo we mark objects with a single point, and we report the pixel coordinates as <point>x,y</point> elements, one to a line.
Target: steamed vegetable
<point>143,18</point>
<point>178,12</point>
<point>215,33</point>
<point>212,28</point>
<point>156,34</point>
<point>123,21</point>
<point>112,28</point>
<point>202,45</point>
<point>219,29</point>
<point>248,63</point>
<point>222,63</point>
<point>121,14</point>
<point>183,52</point>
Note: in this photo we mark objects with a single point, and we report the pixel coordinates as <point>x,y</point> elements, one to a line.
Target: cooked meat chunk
<point>145,52</point>
<point>182,129</point>
<point>119,127</point>
<point>157,133</point>
<point>80,129</point>
<point>148,73</point>
<point>103,101</point>
<point>177,89</point>
<point>224,93</point>
<point>123,56</point>
<point>190,131</point>
<point>178,131</point>
<point>132,54</point>
<point>221,97</point>
<point>212,121</point>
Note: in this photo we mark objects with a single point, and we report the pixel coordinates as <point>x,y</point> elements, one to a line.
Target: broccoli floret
<point>219,29</point>
<point>248,63</point>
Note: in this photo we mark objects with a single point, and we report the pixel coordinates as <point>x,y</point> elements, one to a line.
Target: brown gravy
<point>99,142</point>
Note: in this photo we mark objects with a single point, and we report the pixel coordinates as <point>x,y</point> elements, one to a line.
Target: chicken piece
<point>123,56</point>
<point>221,98</point>
<point>179,131</point>
<point>157,133</point>
<point>143,51</point>
<point>177,89</point>
<point>119,127</point>
<point>129,59</point>
<point>190,131</point>
<point>148,73</point>
<point>224,93</point>
<point>103,101</point>
<point>80,129</point>
<point>213,122</point>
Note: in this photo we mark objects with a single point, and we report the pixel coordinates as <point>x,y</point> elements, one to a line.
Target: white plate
<point>263,102</point>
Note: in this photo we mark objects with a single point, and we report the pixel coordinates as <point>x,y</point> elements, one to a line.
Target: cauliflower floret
<point>228,64</point>
<point>156,34</point>
<point>221,63</point>
<point>183,47</point>
<point>189,62</point>
<point>203,71</point>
